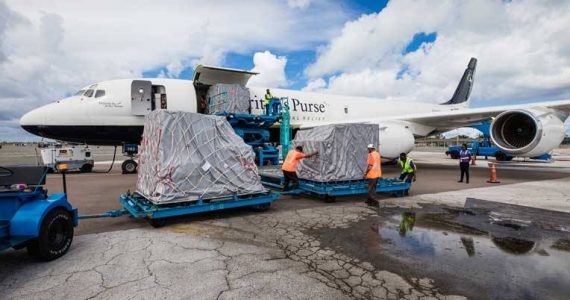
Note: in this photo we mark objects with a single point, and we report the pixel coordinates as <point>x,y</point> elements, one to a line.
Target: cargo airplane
<point>112,113</point>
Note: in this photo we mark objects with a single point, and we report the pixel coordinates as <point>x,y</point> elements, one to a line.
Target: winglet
<point>463,90</point>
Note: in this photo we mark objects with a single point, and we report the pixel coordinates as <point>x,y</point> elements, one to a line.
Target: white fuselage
<point>103,119</point>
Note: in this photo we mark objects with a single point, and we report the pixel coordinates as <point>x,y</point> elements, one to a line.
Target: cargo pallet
<point>330,190</point>
<point>138,206</point>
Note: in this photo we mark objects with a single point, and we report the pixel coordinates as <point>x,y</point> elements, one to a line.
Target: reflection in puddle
<point>508,258</point>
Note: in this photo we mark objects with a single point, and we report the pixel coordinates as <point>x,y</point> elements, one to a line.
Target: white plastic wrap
<point>343,152</point>
<point>187,156</point>
<point>228,98</point>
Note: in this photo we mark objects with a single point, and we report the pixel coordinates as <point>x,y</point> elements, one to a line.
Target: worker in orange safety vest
<point>373,173</point>
<point>289,167</point>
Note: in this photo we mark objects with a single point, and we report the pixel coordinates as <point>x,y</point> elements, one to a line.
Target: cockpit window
<point>79,93</point>
<point>99,93</point>
<point>88,93</point>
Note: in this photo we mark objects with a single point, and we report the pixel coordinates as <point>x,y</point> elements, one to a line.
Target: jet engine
<point>395,139</point>
<point>528,132</point>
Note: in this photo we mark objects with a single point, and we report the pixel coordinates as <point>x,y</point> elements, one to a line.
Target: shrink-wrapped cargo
<point>228,98</point>
<point>342,150</point>
<point>187,156</point>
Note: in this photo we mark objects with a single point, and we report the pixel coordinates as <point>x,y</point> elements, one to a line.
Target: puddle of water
<point>513,266</point>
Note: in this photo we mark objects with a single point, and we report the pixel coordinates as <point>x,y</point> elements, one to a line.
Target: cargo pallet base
<point>140,207</point>
<point>270,177</point>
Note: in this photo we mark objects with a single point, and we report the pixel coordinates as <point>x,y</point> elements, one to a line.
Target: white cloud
<point>298,3</point>
<point>271,69</point>
<point>523,48</point>
<point>316,85</point>
<point>49,48</point>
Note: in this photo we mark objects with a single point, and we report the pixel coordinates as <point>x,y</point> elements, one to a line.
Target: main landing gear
<point>129,166</point>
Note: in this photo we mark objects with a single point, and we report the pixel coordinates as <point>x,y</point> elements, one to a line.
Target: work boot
<point>460,181</point>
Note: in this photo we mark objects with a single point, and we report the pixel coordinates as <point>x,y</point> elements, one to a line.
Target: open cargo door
<point>141,94</point>
<point>206,75</point>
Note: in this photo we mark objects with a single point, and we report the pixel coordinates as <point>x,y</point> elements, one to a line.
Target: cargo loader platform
<point>138,206</point>
<point>272,177</point>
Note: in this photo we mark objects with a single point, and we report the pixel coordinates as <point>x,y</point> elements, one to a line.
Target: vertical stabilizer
<point>463,90</point>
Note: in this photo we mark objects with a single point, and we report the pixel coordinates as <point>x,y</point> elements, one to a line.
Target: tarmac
<point>304,248</point>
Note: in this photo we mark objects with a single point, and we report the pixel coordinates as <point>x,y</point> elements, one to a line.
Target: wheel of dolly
<point>261,207</point>
<point>157,223</point>
<point>330,199</point>
<point>129,166</point>
<point>56,235</point>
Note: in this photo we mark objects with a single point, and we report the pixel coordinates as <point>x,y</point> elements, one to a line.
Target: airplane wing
<point>445,120</point>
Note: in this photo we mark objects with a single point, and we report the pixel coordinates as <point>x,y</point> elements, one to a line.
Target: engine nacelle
<point>528,132</point>
<point>395,139</point>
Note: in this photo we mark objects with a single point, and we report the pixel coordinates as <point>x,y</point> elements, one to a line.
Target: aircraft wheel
<point>129,166</point>
<point>56,235</point>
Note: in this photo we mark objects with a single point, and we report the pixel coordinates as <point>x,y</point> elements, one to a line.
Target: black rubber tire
<point>500,156</point>
<point>454,154</point>
<point>129,166</point>
<point>157,223</point>
<point>56,236</point>
<point>330,199</point>
<point>86,168</point>
<point>261,207</point>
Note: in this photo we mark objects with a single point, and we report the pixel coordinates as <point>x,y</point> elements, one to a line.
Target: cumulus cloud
<point>315,85</point>
<point>522,46</point>
<point>48,49</point>
<point>271,69</point>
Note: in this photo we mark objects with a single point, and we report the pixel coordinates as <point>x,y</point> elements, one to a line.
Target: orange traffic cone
<point>493,173</point>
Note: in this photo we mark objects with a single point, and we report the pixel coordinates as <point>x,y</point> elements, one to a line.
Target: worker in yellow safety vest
<point>289,167</point>
<point>373,173</point>
<point>408,169</point>
<point>267,101</point>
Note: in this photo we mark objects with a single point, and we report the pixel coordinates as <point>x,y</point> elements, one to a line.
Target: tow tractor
<point>32,219</point>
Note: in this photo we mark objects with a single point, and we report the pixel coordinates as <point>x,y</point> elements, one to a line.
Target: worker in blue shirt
<point>464,158</point>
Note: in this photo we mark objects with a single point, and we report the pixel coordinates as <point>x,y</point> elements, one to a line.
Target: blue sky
<point>298,61</point>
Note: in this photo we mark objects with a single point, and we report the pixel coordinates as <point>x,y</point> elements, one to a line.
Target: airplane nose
<point>33,120</point>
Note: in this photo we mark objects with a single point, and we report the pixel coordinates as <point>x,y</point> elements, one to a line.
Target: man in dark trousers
<point>373,172</point>
<point>266,101</point>
<point>289,167</point>
<point>464,158</point>
<point>408,170</point>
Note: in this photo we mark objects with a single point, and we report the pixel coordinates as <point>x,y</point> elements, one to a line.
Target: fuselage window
<point>88,93</point>
<point>99,93</point>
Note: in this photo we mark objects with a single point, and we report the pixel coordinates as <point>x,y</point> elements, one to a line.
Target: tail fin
<point>463,90</point>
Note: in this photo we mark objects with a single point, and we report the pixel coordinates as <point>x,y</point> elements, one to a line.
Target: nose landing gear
<point>129,166</point>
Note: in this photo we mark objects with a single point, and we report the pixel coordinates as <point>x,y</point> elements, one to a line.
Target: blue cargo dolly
<point>138,206</point>
<point>271,177</point>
